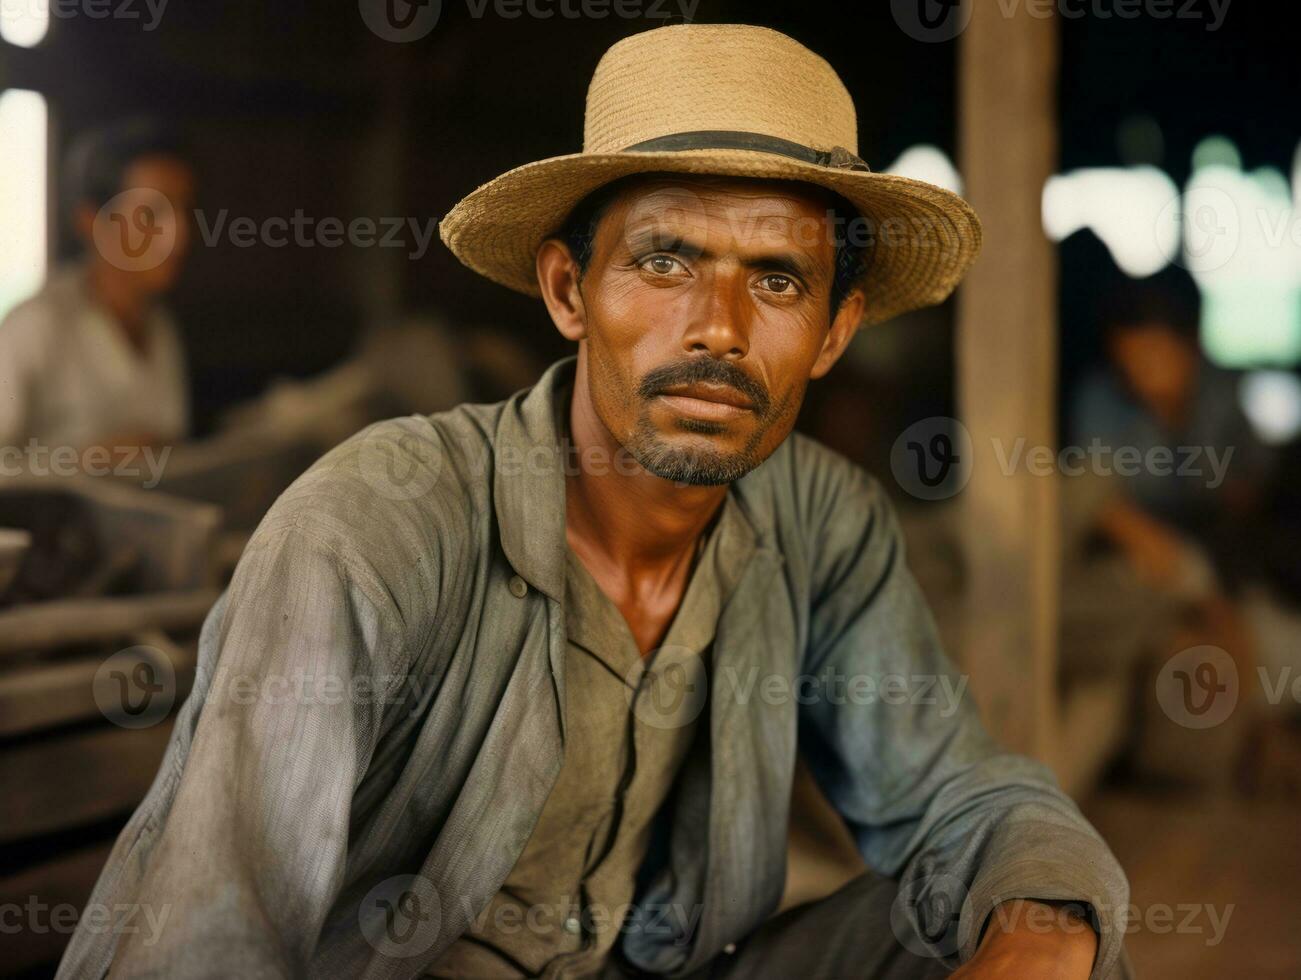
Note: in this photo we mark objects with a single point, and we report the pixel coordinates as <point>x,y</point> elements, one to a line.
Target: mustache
<point>706,369</point>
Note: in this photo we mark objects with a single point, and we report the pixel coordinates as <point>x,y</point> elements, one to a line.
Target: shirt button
<point>729,949</point>
<point>518,587</point>
<point>572,925</point>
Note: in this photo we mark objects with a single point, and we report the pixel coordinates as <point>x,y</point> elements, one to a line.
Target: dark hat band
<point>837,157</point>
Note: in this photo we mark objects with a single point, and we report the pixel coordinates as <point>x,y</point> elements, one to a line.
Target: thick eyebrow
<point>789,263</point>
<point>650,238</point>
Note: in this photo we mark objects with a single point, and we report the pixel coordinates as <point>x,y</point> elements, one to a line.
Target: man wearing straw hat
<point>579,638</point>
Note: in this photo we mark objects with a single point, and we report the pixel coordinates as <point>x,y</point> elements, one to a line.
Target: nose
<point>720,323</point>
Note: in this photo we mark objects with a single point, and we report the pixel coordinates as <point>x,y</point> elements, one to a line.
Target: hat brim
<point>924,238</point>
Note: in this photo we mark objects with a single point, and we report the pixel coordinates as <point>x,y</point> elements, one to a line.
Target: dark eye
<point>777,283</point>
<point>662,265</point>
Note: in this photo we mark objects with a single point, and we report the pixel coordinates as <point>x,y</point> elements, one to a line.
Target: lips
<point>706,392</point>
<point>705,401</point>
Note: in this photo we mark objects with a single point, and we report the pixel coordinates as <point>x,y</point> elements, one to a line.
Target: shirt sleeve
<point>253,850</point>
<point>902,755</point>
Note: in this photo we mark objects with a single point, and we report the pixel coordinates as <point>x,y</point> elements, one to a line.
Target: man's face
<point>146,234</point>
<point>707,309</point>
<point>1157,364</point>
<point>173,179</point>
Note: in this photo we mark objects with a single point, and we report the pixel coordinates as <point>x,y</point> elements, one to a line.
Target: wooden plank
<point>45,695</point>
<point>55,783</point>
<point>172,536</point>
<point>1007,371</point>
<point>46,625</point>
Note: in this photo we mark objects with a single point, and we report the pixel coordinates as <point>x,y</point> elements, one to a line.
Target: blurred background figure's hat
<point>729,100</point>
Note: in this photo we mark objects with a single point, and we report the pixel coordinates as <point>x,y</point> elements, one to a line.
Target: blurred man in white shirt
<point>93,359</point>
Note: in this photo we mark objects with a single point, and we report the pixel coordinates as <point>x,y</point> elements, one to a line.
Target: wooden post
<point>1007,371</point>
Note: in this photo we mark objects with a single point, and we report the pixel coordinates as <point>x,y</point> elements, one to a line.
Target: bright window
<point>23,193</point>
<point>24,22</point>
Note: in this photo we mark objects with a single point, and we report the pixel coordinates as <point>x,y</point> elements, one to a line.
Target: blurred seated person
<point>1157,540</point>
<point>94,359</point>
<point>1179,508</point>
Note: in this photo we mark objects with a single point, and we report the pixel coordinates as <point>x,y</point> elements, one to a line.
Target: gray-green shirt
<point>630,722</point>
<point>378,720</point>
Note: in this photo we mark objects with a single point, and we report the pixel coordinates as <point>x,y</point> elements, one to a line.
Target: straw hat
<point>728,100</point>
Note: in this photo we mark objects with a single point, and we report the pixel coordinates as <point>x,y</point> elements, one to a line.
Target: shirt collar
<point>529,480</point>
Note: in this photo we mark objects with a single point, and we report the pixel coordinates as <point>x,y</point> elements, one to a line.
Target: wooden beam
<point>1007,370</point>
<point>62,622</point>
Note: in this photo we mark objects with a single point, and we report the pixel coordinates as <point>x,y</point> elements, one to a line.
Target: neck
<point>621,516</point>
<point>113,290</point>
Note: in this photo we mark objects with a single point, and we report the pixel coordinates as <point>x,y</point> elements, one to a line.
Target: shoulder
<point>402,505</point>
<point>30,330</point>
<point>38,326</point>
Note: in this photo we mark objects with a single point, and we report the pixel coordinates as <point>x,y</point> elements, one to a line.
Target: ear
<point>558,279</point>
<point>843,327</point>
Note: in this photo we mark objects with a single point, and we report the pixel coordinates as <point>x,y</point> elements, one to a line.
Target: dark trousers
<point>846,934</point>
